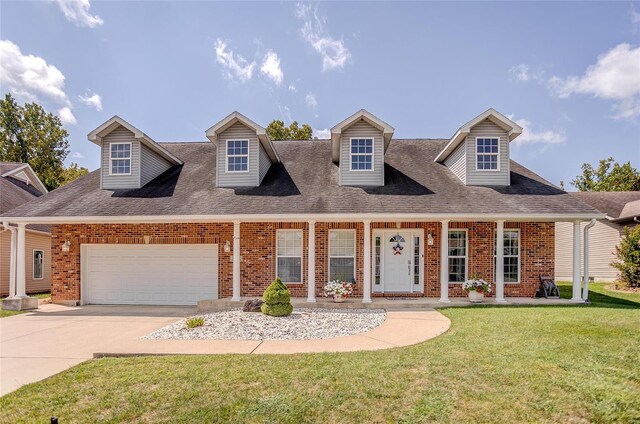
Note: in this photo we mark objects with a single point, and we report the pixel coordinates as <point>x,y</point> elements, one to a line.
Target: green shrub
<point>277,300</point>
<point>628,257</point>
<point>194,322</point>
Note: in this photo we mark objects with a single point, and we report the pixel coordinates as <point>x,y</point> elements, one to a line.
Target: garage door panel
<point>150,274</point>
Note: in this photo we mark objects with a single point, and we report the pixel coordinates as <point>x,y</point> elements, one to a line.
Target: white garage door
<point>149,274</point>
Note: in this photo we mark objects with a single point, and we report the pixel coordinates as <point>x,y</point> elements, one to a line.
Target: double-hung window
<point>511,255</point>
<point>487,154</point>
<point>342,255</point>
<point>38,264</point>
<point>361,154</point>
<point>237,155</point>
<point>457,256</point>
<point>120,157</point>
<point>289,256</point>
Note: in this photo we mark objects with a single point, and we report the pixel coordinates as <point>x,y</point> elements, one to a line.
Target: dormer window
<point>361,154</point>
<point>120,156</point>
<point>237,155</point>
<point>487,154</point>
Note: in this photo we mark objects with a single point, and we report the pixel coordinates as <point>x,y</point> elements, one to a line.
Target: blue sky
<point>568,72</point>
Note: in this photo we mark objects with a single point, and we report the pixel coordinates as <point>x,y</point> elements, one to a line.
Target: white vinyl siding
<point>456,162</point>
<point>249,178</point>
<point>474,176</point>
<point>264,163</point>
<point>115,181</point>
<point>289,255</point>
<point>457,256</point>
<point>152,165</point>
<point>375,177</point>
<point>603,238</point>
<point>342,255</point>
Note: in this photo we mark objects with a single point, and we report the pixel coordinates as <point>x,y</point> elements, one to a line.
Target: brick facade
<point>257,251</point>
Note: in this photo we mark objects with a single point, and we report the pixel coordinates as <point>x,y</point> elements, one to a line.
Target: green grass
<point>4,314</point>
<point>495,364</point>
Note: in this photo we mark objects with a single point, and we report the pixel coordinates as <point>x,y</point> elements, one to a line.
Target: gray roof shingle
<point>14,193</point>
<point>608,202</point>
<point>306,182</point>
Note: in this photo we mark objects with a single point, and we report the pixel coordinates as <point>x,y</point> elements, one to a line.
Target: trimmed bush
<point>194,322</point>
<point>277,300</point>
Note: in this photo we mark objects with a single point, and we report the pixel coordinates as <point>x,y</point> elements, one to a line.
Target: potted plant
<point>476,288</point>
<point>338,290</point>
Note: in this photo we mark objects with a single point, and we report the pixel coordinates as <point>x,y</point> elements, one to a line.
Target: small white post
<point>236,261</point>
<point>444,262</point>
<point>21,269</point>
<point>311,263</point>
<point>12,263</point>
<point>576,295</point>
<point>500,262</point>
<point>585,277</point>
<point>366,292</point>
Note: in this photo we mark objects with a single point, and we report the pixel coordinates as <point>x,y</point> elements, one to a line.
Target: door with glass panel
<point>397,261</point>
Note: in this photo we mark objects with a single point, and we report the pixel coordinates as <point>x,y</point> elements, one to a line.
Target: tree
<point>628,257</point>
<point>73,172</point>
<point>609,176</point>
<point>31,135</point>
<point>278,131</point>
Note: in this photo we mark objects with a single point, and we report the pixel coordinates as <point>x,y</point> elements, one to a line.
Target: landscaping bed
<point>302,324</point>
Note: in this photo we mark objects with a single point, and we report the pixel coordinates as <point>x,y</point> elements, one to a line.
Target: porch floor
<point>389,304</point>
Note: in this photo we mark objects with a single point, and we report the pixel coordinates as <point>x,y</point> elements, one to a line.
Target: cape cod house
<point>175,223</point>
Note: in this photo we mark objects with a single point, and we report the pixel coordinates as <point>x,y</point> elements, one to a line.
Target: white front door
<point>397,261</point>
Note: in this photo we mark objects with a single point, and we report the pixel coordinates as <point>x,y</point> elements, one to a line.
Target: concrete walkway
<point>39,344</point>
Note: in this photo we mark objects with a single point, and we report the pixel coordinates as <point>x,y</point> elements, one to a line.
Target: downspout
<point>585,277</point>
<point>12,260</point>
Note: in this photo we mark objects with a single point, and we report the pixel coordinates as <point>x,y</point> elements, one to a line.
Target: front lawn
<point>495,364</point>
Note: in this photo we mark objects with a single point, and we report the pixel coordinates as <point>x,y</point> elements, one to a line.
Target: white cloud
<point>77,11</point>
<point>524,73</point>
<point>322,134</point>
<point>271,67</point>
<point>634,16</point>
<point>66,116</point>
<point>311,101</point>
<point>615,76</point>
<point>236,66</point>
<point>28,76</point>
<point>333,51</point>
<point>77,155</point>
<point>291,88</point>
<point>530,136</point>
<point>92,99</point>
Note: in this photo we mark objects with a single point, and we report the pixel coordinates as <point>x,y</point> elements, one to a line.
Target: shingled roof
<point>15,192</point>
<point>617,205</point>
<point>306,183</point>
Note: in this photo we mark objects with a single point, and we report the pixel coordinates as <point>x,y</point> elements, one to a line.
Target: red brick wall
<point>257,249</point>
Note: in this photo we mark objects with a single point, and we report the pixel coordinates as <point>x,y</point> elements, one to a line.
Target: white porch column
<point>236,261</point>
<point>12,263</point>
<point>577,296</point>
<point>21,269</point>
<point>585,272</point>
<point>311,263</point>
<point>500,262</point>
<point>366,292</point>
<point>444,262</point>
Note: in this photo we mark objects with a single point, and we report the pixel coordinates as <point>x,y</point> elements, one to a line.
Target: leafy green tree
<point>73,172</point>
<point>277,130</point>
<point>31,135</point>
<point>628,257</point>
<point>608,176</point>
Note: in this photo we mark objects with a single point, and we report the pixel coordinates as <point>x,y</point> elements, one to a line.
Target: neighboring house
<point>174,223</point>
<point>622,209</point>
<point>20,185</point>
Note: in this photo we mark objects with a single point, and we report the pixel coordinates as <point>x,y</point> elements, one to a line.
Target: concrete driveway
<point>38,344</point>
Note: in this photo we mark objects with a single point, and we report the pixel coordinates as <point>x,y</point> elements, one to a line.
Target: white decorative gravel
<point>302,324</point>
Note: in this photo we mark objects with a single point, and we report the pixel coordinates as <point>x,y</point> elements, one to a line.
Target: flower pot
<point>339,299</point>
<point>475,297</point>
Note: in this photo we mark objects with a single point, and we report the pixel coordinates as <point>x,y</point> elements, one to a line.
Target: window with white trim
<point>487,153</point>
<point>237,155</point>
<point>457,256</point>
<point>289,255</point>
<point>511,255</point>
<point>120,158</point>
<point>361,154</point>
<point>38,264</point>
<point>342,255</point>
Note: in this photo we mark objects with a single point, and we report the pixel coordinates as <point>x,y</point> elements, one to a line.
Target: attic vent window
<point>361,154</point>
<point>120,156</point>
<point>487,154</point>
<point>237,155</point>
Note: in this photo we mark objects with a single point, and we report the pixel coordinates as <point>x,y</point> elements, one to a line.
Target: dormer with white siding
<point>358,145</point>
<point>244,151</point>
<point>130,159</point>
<point>478,153</point>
